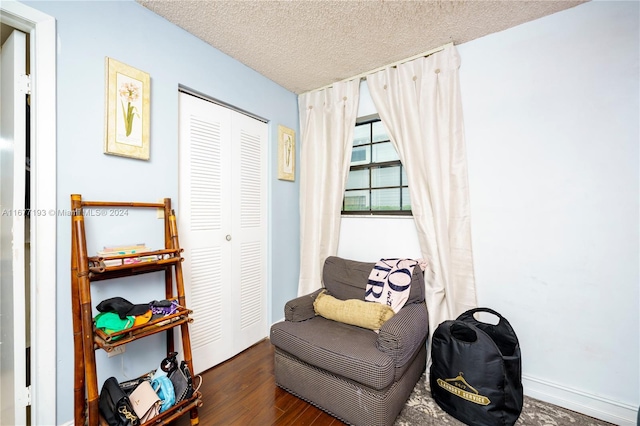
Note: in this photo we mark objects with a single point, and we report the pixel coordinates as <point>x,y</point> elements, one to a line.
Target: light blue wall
<point>87,32</point>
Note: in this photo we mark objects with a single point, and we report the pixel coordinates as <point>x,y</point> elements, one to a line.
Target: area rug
<point>422,410</point>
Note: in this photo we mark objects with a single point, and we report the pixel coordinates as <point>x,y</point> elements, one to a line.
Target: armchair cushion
<point>369,315</point>
<point>342,349</point>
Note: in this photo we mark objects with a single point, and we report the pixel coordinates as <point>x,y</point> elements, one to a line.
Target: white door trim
<point>42,29</point>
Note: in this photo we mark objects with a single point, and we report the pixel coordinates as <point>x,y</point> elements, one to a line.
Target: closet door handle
<point>228,237</point>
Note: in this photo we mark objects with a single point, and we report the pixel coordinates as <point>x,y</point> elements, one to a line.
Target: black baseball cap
<point>122,306</point>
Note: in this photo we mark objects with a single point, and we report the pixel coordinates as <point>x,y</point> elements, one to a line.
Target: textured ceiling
<point>306,44</point>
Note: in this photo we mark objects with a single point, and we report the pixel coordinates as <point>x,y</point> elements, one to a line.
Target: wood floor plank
<point>325,419</point>
<point>290,417</point>
<point>283,399</point>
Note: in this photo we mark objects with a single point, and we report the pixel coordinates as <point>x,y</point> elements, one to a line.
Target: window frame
<point>370,166</point>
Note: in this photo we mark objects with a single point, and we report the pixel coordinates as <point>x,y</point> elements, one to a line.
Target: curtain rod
<point>394,64</point>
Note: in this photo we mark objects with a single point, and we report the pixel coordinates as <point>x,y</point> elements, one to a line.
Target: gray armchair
<point>353,373</point>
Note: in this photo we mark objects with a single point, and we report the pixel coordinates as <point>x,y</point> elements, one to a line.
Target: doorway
<point>14,226</point>
<point>41,230</point>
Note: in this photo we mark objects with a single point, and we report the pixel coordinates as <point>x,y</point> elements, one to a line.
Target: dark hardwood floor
<point>242,391</point>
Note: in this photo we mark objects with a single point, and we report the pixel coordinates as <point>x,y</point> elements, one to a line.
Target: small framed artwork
<point>286,154</point>
<point>127,111</point>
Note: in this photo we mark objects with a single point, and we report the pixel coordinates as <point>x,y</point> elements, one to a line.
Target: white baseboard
<point>69,423</point>
<point>591,405</point>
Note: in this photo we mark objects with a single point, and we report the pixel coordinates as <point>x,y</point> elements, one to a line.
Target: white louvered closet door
<point>222,226</point>
<point>249,226</point>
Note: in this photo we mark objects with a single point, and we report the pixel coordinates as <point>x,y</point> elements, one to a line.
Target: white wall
<point>552,127</point>
<point>361,239</point>
<point>551,115</point>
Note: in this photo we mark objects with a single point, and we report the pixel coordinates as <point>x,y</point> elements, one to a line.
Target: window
<point>377,182</point>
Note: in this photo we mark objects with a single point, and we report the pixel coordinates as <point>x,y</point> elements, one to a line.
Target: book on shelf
<point>125,249</point>
<point>135,250</point>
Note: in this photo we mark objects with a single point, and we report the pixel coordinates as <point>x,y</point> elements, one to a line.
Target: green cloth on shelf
<point>110,322</point>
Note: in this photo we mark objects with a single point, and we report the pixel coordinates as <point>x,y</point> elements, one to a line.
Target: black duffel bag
<point>476,371</point>
<point>115,406</point>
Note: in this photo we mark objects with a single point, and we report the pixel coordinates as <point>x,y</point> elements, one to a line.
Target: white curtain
<point>419,103</point>
<point>327,121</point>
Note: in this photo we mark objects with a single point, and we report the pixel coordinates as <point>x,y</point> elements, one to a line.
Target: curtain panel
<point>419,103</point>
<point>327,122</point>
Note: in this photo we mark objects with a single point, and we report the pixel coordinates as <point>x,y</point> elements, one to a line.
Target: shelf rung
<point>121,204</point>
<point>126,266</point>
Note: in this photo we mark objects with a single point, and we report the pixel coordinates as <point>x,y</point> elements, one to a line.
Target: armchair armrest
<point>301,308</point>
<point>404,332</point>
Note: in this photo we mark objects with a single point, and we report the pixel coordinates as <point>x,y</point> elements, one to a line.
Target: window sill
<point>375,216</point>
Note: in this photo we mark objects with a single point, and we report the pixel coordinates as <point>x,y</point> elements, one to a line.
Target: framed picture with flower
<point>286,154</point>
<point>127,111</point>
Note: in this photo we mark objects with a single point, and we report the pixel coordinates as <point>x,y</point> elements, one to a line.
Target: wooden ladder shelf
<point>87,339</point>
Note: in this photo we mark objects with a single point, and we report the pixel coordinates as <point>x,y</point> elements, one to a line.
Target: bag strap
<point>502,321</point>
<point>469,314</point>
<point>501,333</point>
<point>199,384</point>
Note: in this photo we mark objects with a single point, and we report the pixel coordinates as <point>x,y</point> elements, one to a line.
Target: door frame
<point>42,30</point>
